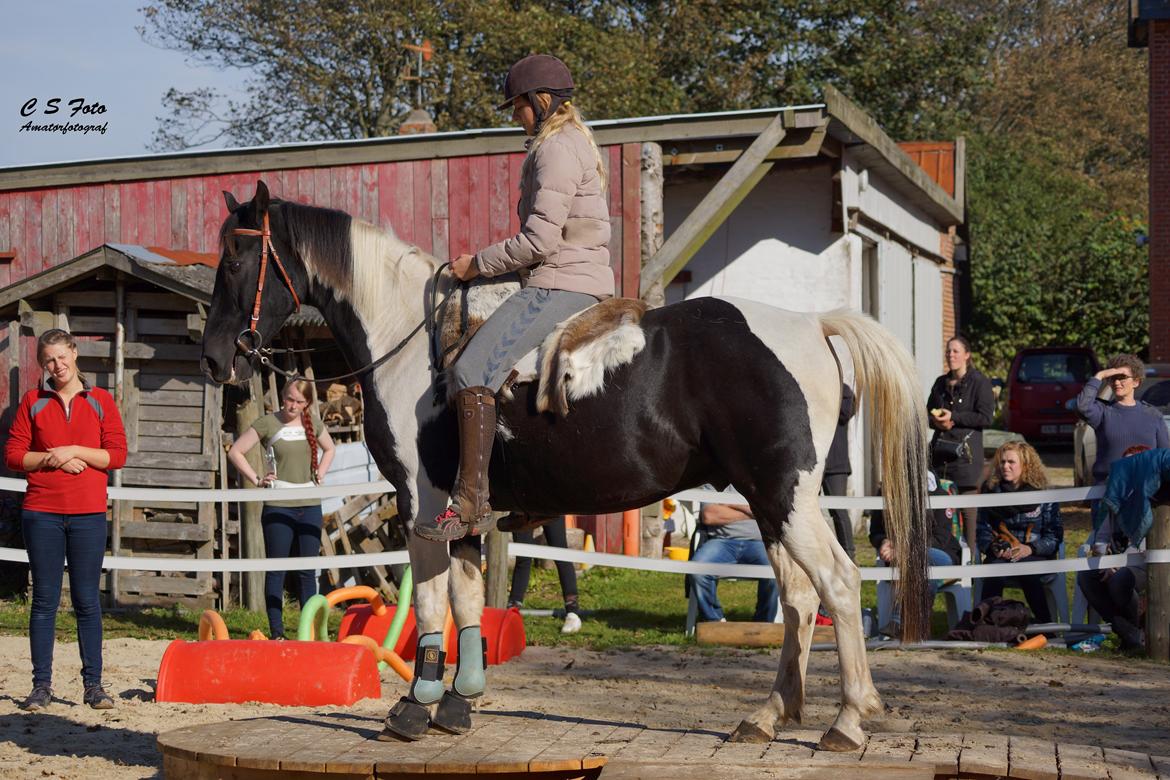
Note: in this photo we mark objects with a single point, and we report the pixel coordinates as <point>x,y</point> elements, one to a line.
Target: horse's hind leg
<point>467,597</point>
<point>812,545</point>
<point>799,602</point>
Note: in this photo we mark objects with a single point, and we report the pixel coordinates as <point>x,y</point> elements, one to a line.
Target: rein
<point>248,339</point>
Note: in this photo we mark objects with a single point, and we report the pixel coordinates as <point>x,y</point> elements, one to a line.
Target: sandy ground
<point>1083,699</point>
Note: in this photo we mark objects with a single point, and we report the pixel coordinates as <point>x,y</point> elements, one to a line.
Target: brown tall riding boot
<point>470,511</point>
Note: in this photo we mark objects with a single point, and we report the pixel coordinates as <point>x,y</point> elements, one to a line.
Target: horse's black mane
<point>316,232</point>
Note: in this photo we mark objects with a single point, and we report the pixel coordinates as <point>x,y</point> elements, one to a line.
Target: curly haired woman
<point>1014,534</point>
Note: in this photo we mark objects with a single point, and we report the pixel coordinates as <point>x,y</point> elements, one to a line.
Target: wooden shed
<point>137,316</point>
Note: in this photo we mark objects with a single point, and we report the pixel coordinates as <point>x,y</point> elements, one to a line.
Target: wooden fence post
<point>1158,606</point>
<point>251,534</point>
<point>496,594</point>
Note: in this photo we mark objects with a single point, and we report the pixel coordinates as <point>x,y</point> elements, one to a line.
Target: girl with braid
<point>298,452</point>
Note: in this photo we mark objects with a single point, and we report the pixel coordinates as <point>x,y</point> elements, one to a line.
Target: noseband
<point>249,341</point>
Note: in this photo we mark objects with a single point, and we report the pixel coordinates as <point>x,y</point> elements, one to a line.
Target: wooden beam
<point>390,149</point>
<point>807,143</point>
<point>866,130</point>
<point>1158,608</point>
<point>690,236</point>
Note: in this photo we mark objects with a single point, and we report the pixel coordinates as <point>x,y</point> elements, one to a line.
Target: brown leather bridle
<point>253,335</point>
<point>264,354</point>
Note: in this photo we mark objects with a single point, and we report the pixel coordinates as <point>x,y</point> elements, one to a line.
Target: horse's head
<point>248,309</point>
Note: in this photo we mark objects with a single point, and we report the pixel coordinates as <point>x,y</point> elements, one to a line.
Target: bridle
<point>249,341</point>
<point>251,347</point>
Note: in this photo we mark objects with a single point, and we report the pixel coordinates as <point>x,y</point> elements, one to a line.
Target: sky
<point>86,49</point>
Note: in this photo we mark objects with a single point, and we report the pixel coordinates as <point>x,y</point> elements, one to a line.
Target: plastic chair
<point>956,595</point>
<point>1055,591</point>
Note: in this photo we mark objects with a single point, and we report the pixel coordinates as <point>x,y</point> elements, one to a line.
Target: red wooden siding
<point>447,206</point>
<point>937,158</point>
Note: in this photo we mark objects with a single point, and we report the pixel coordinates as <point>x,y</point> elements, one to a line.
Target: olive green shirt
<point>288,443</point>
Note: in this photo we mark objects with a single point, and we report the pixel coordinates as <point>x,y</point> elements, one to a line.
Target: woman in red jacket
<point>66,436</point>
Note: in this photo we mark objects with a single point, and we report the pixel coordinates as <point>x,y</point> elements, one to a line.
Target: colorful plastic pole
<point>211,626</point>
<point>404,592</point>
<point>316,610</point>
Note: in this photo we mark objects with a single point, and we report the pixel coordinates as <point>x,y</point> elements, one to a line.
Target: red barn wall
<point>446,206</point>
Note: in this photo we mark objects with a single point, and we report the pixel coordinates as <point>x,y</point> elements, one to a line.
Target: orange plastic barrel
<point>294,674</point>
<point>503,629</point>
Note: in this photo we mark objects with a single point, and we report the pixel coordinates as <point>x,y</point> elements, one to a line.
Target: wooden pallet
<point>524,744</point>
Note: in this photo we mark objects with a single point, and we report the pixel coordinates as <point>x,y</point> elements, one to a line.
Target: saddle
<point>570,363</point>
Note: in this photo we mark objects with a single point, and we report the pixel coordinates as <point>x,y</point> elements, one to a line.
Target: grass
<point>625,608</point>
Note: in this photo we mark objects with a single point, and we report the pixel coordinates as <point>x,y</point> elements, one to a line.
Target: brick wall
<point>949,293</point>
<point>1159,247</point>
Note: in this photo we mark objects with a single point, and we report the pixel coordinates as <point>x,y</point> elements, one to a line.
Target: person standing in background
<point>66,437</point>
<point>961,404</point>
<point>300,451</point>
<point>556,536</point>
<point>838,469</point>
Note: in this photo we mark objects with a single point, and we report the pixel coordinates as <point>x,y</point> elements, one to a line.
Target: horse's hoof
<point>836,741</point>
<point>453,714</point>
<point>747,731</point>
<point>407,720</point>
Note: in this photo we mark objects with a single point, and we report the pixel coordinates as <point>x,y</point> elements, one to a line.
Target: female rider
<point>562,255</point>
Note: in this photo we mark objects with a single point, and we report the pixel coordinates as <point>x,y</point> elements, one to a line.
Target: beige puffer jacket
<point>563,241</point>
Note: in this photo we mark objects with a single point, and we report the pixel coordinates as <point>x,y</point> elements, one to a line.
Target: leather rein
<point>249,341</point>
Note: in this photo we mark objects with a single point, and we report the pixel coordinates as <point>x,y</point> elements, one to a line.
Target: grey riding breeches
<point>513,330</point>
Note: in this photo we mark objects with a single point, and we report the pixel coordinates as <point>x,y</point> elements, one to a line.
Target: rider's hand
<point>464,268</point>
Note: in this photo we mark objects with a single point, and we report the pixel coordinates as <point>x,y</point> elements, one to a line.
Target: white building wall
<point>778,248</point>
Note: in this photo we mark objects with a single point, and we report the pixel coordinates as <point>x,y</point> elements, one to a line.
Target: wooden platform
<point>332,746</point>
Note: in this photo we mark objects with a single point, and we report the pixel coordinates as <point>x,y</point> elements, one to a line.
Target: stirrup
<point>447,527</point>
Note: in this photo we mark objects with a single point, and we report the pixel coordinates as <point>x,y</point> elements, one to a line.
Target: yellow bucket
<point>678,553</point>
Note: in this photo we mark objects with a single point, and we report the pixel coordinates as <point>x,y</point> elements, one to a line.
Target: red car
<point>1040,384</point>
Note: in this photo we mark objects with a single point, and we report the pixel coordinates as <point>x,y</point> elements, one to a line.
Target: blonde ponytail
<point>567,114</point>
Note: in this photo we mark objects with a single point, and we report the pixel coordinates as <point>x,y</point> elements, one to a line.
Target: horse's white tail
<point>887,381</point>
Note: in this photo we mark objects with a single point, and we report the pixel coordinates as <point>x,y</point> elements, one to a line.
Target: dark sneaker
<point>97,698</point>
<point>41,697</point>
<point>447,527</point>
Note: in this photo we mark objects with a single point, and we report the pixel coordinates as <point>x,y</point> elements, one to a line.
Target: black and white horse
<point>724,392</point>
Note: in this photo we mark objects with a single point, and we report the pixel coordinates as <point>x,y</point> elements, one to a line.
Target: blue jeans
<point>512,331</point>
<point>52,540</point>
<point>936,557</point>
<point>746,551</point>
<point>289,532</point>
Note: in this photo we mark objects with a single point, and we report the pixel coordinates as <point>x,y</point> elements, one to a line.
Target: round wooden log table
<point>337,746</point>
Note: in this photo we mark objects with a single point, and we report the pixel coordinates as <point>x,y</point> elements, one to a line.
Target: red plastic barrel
<point>503,629</point>
<point>295,674</point>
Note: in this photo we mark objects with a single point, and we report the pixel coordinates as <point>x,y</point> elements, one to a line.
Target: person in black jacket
<point>838,469</point>
<point>961,405</point>
<point>1029,532</point>
<point>944,547</point>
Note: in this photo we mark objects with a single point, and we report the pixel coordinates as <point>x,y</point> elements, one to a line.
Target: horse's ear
<point>231,201</point>
<point>260,199</point>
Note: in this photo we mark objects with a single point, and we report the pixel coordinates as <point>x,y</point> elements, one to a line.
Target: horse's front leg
<point>430,563</point>
<point>467,597</point>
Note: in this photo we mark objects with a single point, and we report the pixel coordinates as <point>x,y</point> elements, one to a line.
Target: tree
<point>319,69</point>
<point>1051,264</point>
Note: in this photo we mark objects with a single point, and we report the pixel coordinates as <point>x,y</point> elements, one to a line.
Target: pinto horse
<point>724,392</point>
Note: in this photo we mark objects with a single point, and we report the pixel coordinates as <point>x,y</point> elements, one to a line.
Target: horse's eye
<point>234,266</point>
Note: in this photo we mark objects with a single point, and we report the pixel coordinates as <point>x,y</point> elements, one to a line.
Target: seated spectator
<point>944,549</point>
<point>1115,593</point>
<point>732,536</point>
<point>1123,422</point>
<point>1011,534</point>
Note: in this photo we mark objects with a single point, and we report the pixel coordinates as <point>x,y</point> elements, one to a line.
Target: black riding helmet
<point>538,73</point>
